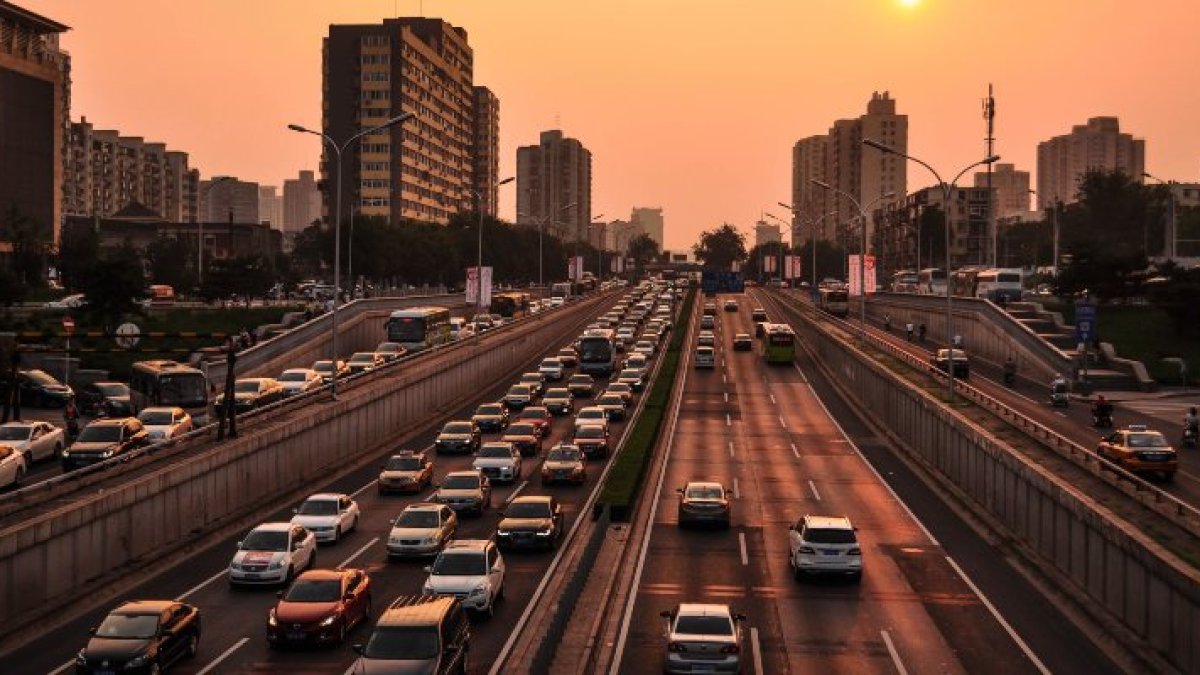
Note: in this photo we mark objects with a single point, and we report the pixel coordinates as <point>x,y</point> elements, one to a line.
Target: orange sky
<point>691,105</point>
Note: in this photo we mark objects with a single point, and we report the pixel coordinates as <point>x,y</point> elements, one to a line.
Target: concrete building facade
<point>35,92</point>
<point>1098,145</point>
<point>486,148</point>
<point>420,169</point>
<point>554,186</point>
<point>301,202</point>
<point>899,224</point>
<point>270,206</point>
<point>1012,190</point>
<point>766,233</point>
<point>651,222</point>
<point>225,199</point>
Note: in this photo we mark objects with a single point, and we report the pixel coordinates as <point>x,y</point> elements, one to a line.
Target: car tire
<point>354,524</point>
<point>337,535</point>
<point>193,646</point>
<point>58,450</point>
<point>155,669</point>
<point>19,477</point>
<point>341,639</point>
<point>287,578</point>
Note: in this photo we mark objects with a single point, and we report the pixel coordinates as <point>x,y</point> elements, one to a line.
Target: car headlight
<point>81,658</point>
<point>271,620</point>
<point>328,620</point>
<point>275,565</point>
<point>481,589</point>
<point>429,540</point>
<point>65,454</point>
<point>137,662</point>
<point>427,589</point>
<point>545,532</point>
<point>502,533</point>
<point>106,454</point>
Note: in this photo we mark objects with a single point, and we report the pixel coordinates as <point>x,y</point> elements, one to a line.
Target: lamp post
<point>781,222</point>
<point>541,223</point>
<point>813,225</point>
<point>479,248</point>
<point>599,245</point>
<point>947,192</point>
<point>1169,244</point>
<point>862,258</point>
<point>337,220</point>
<point>1054,226</point>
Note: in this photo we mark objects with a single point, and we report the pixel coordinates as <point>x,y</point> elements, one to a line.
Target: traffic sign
<point>128,335</point>
<point>1085,322</point>
<point>68,324</point>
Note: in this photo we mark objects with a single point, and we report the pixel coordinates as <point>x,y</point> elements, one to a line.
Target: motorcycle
<point>1060,397</point>
<point>1190,434</point>
<point>1102,417</point>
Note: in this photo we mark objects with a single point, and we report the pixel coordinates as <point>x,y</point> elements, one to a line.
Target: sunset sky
<point>691,105</point>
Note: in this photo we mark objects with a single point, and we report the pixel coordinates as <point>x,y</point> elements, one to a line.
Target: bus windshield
<point>183,389</point>
<point>406,329</point>
<point>595,349</point>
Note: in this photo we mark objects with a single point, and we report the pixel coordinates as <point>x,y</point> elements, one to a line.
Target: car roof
<point>110,421</point>
<point>703,609</point>
<point>408,453</point>
<point>467,545</point>
<point>705,483</point>
<point>272,527</point>
<point>424,506</point>
<point>829,522</point>
<point>323,574</point>
<point>469,472</point>
<point>143,607</point>
<point>532,499</point>
<point>325,495</point>
<point>163,408</point>
<point>420,610</point>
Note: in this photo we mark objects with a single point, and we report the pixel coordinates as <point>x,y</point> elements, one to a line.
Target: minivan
<point>417,634</point>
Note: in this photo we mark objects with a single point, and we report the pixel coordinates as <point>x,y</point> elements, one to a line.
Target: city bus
<point>510,305</point>
<point>904,281</point>
<point>999,285</point>
<point>931,281</point>
<point>779,343</point>
<point>962,282</point>
<point>597,352</point>
<point>169,383</point>
<point>835,301</point>
<point>418,328</point>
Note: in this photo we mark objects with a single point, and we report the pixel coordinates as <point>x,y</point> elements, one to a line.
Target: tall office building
<point>766,233</point>
<point>554,185</point>
<point>619,233</point>
<point>1012,190</point>
<point>651,222</point>
<point>270,206</point>
<point>421,169</point>
<point>301,202</point>
<point>105,172</point>
<point>839,159</point>
<point>1099,144</point>
<point>486,149</point>
<point>35,93</point>
<point>227,199</point>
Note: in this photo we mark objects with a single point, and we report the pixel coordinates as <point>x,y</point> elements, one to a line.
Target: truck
<point>560,292</point>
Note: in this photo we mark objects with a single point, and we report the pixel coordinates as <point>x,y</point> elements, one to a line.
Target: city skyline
<point>644,118</point>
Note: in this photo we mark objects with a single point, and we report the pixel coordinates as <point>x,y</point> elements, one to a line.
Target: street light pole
<point>479,250</point>
<point>337,227</point>
<point>599,245</point>
<point>813,225</point>
<point>947,193</point>
<point>1169,243</point>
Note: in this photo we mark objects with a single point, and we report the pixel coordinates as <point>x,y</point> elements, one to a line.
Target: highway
<point>934,596</point>
<point>235,620</point>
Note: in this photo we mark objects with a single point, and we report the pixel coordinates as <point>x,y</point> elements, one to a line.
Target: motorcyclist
<point>908,327</point>
<point>1101,408</point>
<point>887,322</point>
<point>1190,421</point>
<point>71,419</point>
<point>1010,370</point>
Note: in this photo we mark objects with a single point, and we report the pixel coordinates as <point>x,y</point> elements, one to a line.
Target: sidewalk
<point>1127,396</point>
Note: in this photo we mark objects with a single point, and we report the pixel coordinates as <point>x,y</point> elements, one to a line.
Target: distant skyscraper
<point>423,168</point>
<point>486,150</point>
<point>1012,190</point>
<point>766,233</point>
<point>35,97</point>
<point>224,196</point>
<point>270,206</point>
<point>1099,144</point>
<point>554,185</point>
<point>839,159</point>
<point>301,202</point>
<point>651,222</point>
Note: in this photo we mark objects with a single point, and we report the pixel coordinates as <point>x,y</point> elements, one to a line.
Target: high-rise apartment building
<point>486,150</point>
<point>839,159</point>
<point>225,199</point>
<point>904,243</point>
<point>619,233</point>
<point>766,233</point>
<point>35,92</point>
<point>301,202</point>
<point>1098,145</point>
<point>422,168</point>
<point>1012,190</point>
<point>105,172</point>
<point>651,222</point>
<point>270,206</point>
<point>554,185</point>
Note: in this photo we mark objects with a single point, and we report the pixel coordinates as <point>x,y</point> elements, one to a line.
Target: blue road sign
<point>722,282</point>
<point>1085,322</point>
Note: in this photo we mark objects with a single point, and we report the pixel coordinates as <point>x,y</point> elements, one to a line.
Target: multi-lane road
<point>934,597</point>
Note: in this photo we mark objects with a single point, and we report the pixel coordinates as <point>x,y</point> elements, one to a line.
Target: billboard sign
<point>869,274</point>
<point>473,286</point>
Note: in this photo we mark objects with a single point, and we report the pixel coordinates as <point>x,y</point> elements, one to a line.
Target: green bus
<point>779,343</point>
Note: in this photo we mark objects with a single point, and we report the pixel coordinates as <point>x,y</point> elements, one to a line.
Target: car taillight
<point>677,647</point>
<point>854,551</point>
<point>730,649</point>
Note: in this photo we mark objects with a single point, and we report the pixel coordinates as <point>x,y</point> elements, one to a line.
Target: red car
<point>539,416</point>
<point>320,607</point>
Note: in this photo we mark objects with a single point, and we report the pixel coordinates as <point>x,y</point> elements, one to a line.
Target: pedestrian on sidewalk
<point>908,328</point>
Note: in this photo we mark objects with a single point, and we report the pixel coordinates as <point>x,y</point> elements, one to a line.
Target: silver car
<point>703,638</point>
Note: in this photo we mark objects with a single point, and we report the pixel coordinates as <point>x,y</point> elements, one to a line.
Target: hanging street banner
<point>575,268</point>
<point>791,267</point>
<point>869,274</point>
<point>473,286</point>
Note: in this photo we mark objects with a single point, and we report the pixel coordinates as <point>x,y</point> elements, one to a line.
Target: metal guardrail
<point>1179,512</point>
<point>281,407</point>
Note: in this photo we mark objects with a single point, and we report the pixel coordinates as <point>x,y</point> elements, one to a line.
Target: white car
<point>421,529</point>
<point>471,570</point>
<point>556,303</point>
<point>824,545</point>
<point>12,466</point>
<point>36,440</point>
<point>299,380</point>
<point>499,461</point>
<point>273,553</point>
<point>73,301</point>
<point>706,339</point>
<point>703,638</point>
<point>705,357</point>
<point>328,515</point>
<point>644,347</point>
<point>165,423</point>
<point>625,335</point>
<point>591,415</point>
<point>551,369</point>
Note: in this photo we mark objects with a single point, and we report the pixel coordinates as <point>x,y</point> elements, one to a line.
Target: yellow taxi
<point>1140,450</point>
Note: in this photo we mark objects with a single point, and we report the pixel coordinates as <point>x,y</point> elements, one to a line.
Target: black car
<point>459,436</point>
<point>742,342</point>
<point>143,636</point>
<point>39,389</point>
<point>104,439</point>
<point>534,522</point>
<point>108,398</point>
<point>491,417</point>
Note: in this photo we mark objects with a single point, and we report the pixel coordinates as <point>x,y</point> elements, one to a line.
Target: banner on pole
<point>473,286</point>
<point>868,273</point>
<point>792,267</point>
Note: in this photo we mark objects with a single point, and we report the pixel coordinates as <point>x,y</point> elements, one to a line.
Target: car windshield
<point>619,387</point>
<point>100,433</point>
<point>591,414</point>
<point>183,389</point>
<point>629,373</point>
<point>531,378</point>
<point>404,464</point>
<point>388,347</point>
<point>457,428</point>
<point>318,507</point>
<point>265,540</point>
<point>40,377</point>
<point>489,409</point>
<point>528,510</point>
<point>157,417</point>
<point>14,433</point>
<point>403,643</point>
<point>581,379</point>
<point>564,455</point>
<point>314,590</point>
<point>323,366</point>
<point>829,535</point>
<point>566,351</point>
<point>1145,440</point>
<point>417,519</point>
<point>362,357</point>
<point>461,483</point>
<point>703,625</point>
<point>611,399</point>
<point>552,363</point>
<point>557,393</point>
<point>523,429</point>
<point>705,492</point>
<point>518,390</point>
<point>495,452</point>
<point>113,389</point>
<point>294,376</point>
<point>590,432</point>
<point>246,387</point>
<point>459,563</point>
<point>534,413</point>
<point>128,626</point>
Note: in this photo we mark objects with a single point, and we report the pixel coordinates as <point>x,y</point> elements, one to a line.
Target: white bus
<point>418,328</point>
<point>904,281</point>
<point>597,352</point>
<point>931,281</point>
<point>169,383</point>
<point>999,284</point>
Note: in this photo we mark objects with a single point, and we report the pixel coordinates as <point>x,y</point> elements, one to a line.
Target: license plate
<point>703,669</point>
<point>105,672</point>
<point>295,636</point>
<point>832,552</point>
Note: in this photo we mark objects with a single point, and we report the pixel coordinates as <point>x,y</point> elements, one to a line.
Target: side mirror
<point>679,490</point>
<point>349,597</point>
<point>295,511</point>
<point>728,492</point>
<point>92,630</point>
<point>495,570</point>
<point>428,568</point>
<point>279,594</point>
<point>358,649</point>
<point>239,545</point>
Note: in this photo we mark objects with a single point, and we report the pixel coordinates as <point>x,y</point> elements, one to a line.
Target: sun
<point>910,3</point>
